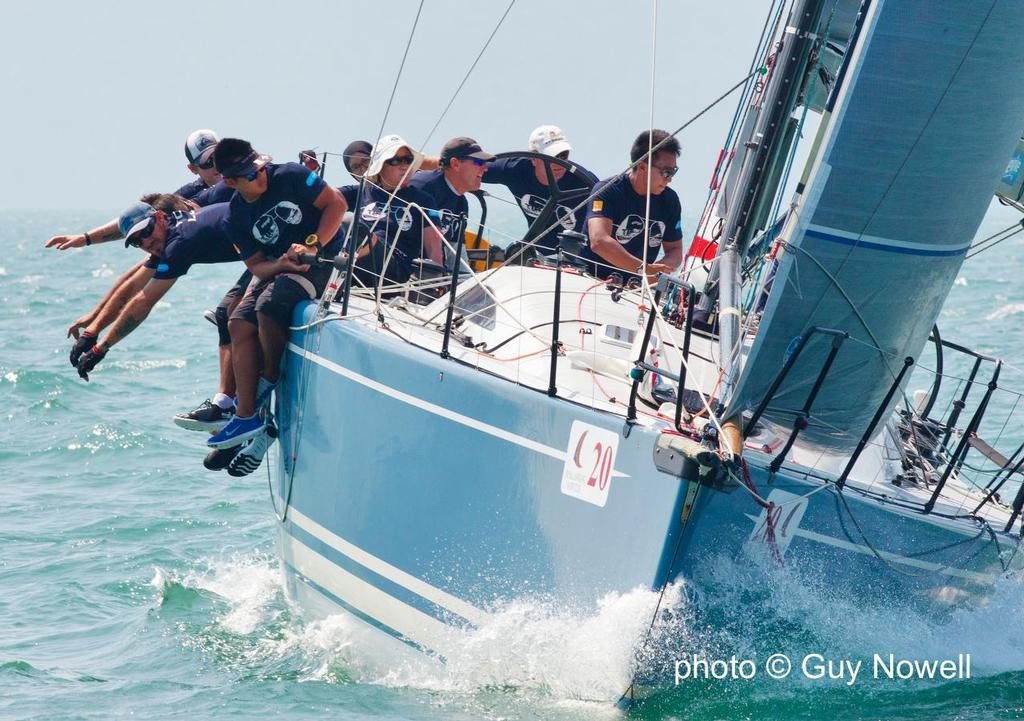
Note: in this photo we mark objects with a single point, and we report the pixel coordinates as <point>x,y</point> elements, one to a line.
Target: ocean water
<point>134,583</point>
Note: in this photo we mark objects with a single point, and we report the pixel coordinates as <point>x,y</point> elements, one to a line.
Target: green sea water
<point>135,584</point>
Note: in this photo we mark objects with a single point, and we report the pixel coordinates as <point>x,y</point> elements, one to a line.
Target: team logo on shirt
<point>177,217</point>
<point>533,205</point>
<point>267,229</point>
<point>373,212</point>
<point>633,225</point>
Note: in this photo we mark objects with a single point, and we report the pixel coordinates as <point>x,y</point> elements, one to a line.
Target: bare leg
<point>227,372</point>
<point>245,357</point>
<point>227,369</point>
<point>273,338</point>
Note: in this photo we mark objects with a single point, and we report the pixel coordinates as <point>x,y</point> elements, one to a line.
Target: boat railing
<point>671,288</point>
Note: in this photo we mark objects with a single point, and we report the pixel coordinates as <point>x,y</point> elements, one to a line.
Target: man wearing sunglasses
<point>527,180</point>
<point>619,238</point>
<point>279,211</point>
<point>174,245</point>
<point>463,163</point>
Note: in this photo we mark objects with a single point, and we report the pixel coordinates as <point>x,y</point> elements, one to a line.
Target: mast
<point>755,185</point>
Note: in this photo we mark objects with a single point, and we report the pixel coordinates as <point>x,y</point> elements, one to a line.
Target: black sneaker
<point>207,417</point>
<point>219,458</point>
<point>250,455</point>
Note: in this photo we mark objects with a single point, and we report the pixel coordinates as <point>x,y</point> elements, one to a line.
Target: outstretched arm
<point>119,299</point>
<point>85,320</point>
<point>136,311</point>
<point>128,320</point>
<point>102,234</point>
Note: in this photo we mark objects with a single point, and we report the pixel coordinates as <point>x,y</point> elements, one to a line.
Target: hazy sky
<point>99,97</point>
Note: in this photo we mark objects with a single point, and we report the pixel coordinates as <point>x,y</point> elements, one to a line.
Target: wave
<point>1005,311</point>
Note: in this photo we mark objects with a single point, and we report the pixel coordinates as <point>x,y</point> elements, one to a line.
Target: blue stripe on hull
<point>297,577</point>
<point>390,587</point>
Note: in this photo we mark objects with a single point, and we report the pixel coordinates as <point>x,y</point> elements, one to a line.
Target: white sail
<point>929,111</point>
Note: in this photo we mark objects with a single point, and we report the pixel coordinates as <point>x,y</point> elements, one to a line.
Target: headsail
<point>929,112</point>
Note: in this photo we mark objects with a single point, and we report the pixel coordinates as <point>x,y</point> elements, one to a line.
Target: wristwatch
<point>312,239</point>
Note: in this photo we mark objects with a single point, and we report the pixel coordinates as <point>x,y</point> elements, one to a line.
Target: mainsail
<point>921,129</point>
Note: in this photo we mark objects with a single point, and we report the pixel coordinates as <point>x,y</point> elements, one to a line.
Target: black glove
<point>84,343</point>
<point>89,359</point>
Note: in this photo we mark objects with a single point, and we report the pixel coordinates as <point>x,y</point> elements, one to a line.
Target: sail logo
<point>589,463</point>
<point>633,225</point>
<point>266,229</point>
<point>1013,168</point>
<point>778,525</point>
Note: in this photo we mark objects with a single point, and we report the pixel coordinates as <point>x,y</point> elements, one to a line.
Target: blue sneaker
<point>237,431</point>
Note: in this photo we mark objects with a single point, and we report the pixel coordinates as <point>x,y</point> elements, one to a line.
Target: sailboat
<point>535,432</point>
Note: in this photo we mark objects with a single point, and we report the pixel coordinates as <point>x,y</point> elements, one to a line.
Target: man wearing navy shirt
<point>527,180</point>
<point>463,163</point>
<point>199,147</point>
<point>278,213</point>
<point>175,241</point>
<point>615,214</point>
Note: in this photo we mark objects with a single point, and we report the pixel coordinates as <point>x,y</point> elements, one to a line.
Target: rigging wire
<point>976,248</point>
<point>398,76</point>
<point>468,73</point>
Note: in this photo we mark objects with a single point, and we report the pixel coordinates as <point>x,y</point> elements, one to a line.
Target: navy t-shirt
<point>616,200</point>
<point>398,221</point>
<point>219,193</point>
<point>283,215</point>
<point>194,236</point>
<point>191,189</point>
<point>449,204</point>
<point>518,175</point>
<point>201,195</point>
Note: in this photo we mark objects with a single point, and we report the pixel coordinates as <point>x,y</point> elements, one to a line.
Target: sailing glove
<point>82,344</point>
<point>89,359</point>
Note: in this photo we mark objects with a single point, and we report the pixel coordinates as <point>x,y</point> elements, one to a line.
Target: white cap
<point>549,140</point>
<point>199,146</point>
<point>385,149</point>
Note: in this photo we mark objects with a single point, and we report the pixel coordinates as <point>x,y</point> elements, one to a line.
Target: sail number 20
<point>589,463</point>
<point>602,472</point>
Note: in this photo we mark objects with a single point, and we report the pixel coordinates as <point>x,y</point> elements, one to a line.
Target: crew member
<point>619,238</point>
<point>278,213</point>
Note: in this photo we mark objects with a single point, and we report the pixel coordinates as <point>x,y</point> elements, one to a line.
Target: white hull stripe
<point>382,568</point>
<point>478,425</point>
<point>411,623</point>
<point>982,578</point>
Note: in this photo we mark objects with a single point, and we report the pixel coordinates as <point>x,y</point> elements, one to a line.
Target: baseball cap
<point>235,158</point>
<point>134,219</point>
<point>385,149</point>
<point>463,147</point>
<point>199,146</point>
<point>356,146</point>
<point>549,140</point>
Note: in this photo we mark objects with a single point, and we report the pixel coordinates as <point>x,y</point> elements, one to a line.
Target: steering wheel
<point>558,196</point>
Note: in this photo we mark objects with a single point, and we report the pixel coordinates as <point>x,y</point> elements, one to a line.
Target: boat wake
<point>533,656</point>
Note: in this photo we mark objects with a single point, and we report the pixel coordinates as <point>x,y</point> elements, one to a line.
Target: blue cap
<point>134,219</point>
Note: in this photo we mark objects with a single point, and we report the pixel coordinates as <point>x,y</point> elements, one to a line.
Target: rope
<point>976,248</point>
<point>468,73</point>
<point>405,54</point>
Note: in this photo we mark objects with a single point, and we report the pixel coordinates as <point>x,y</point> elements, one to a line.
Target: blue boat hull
<point>419,494</point>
